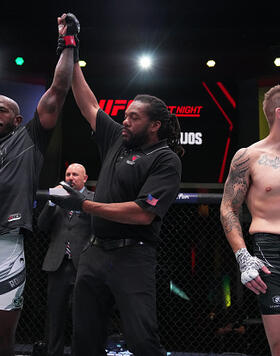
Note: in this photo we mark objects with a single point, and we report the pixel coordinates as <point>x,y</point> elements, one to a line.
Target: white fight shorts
<point>12,270</point>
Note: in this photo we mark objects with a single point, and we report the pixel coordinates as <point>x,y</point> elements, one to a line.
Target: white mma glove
<point>249,265</point>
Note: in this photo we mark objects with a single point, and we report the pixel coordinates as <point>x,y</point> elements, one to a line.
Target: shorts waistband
<point>265,234</point>
<point>108,244</point>
<point>14,231</point>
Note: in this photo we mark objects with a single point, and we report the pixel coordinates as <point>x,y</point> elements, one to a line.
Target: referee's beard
<point>136,140</point>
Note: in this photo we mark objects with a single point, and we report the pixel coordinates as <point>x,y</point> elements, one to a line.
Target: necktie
<point>68,250</point>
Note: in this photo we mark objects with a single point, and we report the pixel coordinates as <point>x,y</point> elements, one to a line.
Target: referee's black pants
<point>60,288</point>
<point>125,276</point>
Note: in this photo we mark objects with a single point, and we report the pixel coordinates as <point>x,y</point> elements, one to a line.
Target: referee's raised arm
<point>84,96</point>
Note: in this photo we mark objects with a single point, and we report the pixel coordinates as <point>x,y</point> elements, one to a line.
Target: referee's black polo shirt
<point>149,177</point>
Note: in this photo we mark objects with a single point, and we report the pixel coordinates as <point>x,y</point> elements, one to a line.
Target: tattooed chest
<point>266,176</point>
<point>273,162</point>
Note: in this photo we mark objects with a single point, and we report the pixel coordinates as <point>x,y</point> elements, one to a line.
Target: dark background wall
<point>73,141</point>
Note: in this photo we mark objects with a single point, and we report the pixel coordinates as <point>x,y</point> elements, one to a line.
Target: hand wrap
<point>249,265</point>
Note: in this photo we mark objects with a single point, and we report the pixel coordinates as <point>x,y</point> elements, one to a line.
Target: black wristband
<point>76,55</point>
<point>60,45</point>
<point>76,50</point>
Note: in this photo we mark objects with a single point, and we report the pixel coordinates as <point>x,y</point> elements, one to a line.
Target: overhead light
<point>145,62</point>
<point>82,63</point>
<point>211,63</point>
<point>19,61</point>
<point>277,61</point>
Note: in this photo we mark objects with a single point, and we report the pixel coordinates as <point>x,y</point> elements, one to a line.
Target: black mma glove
<point>70,39</point>
<point>73,201</point>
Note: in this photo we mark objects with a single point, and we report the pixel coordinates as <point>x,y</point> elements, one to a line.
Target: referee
<point>139,180</point>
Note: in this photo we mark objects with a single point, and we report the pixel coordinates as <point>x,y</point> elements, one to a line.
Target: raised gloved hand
<point>68,29</point>
<point>73,201</point>
<point>249,268</point>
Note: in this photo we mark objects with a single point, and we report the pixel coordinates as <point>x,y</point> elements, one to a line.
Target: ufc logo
<point>112,107</point>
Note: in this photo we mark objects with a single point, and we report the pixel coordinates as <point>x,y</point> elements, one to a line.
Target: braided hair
<point>170,127</point>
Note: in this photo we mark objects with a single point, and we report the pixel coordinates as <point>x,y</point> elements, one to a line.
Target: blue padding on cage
<point>189,198</point>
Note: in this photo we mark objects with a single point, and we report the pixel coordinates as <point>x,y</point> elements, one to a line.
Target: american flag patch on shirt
<point>151,200</point>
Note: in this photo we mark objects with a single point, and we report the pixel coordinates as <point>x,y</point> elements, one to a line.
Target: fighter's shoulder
<point>250,152</point>
<point>241,154</point>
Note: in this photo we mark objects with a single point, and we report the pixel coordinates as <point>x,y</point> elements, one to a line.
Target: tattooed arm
<point>235,191</point>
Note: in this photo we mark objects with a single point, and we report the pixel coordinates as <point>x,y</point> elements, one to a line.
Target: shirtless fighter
<point>254,177</point>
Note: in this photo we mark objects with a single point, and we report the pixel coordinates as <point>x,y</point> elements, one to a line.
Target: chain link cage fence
<point>202,305</point>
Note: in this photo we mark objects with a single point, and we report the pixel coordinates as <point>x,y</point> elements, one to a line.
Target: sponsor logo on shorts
<point>276,299</point>
<point>19,279</point>
<point>13,282</point>
<point>18,302</point>
<point>14,217</point>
